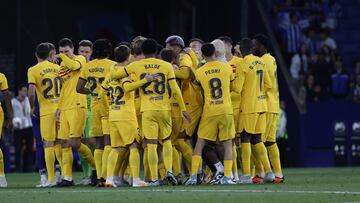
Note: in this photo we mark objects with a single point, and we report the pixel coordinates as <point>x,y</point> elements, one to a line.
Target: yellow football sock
<point>112,162</point>
<point>146,165</point>
<point>107,150</point>
<point>207,171</point>
<point>195,162</point>
<point>234,162</point>
<point>58,154</point>
<point>262,156</point>
<point>125,163</point>
<point>67,159</point>
<point>134,161</point>
<point>259,168</point>
<point>176,160</point>
<point>274,156</point>
<point>85,153</point>
<point>167,155</point>
<point>245,158</point>
<point>186,152</point>
<point>162,171</point>
<point>1,163</point>
<point>227,168</point>
<point>49,153</point>
<point>153,161</point>
<point>98,153</point>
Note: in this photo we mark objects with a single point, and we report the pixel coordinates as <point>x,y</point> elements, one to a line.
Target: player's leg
<point>107,146</point>
<point>84,164</point>
<point>40,159</point>
<point>3,182</point>
<point>245,158</point>
<point>234,163</point>
<point>97,133</point>
<point>134,161</point>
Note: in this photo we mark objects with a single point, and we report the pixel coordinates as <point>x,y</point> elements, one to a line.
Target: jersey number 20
<point>50,84</point>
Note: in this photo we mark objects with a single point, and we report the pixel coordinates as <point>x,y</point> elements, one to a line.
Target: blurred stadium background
<point>316,44</point>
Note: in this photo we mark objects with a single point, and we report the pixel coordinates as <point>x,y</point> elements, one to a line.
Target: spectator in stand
<point>299,63</point>
<point>314,91</point>
<point>321,68</point>
<point>311,41</point>
<point>340,80</point>
<point>22,131</point>
<point>293,35</point>
<point>356,90</point>
<point>327,40</point>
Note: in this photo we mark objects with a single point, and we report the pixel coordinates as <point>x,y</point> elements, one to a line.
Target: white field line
<point>180,191</point>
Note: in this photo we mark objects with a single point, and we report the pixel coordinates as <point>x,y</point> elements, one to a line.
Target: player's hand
<point>151,77</point>
<point>57,115</point>
<point>186,116</point>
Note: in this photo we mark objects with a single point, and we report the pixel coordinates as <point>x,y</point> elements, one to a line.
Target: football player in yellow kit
<point>71,112</point>
<point>217,123</point>
<point>155,106</point>
<point>252,82</point>
<point>94,73</point>
<point>8,122</point>
<point>44,79</point>
<point>269,137</point>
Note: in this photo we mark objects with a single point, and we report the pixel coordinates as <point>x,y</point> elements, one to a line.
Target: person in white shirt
<point>327,40</point>
<point>299,63</point>
<point>22,131</point>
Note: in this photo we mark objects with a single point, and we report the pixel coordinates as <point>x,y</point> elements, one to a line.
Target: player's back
<point>69,97</point>
<point>215,78</point>
<point>154,95</point>
<point>253,98</point>
<point>273,93</point>
<point>95,72</point>
<point>45,76</point>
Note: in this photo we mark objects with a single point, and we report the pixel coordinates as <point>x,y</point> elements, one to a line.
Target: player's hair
<point>159,47</point>
<point>262,39</point>
<point>136,45</point>
<point>149,47</point>
<point>208,49</point>
<point>226,39</point>
<point>219,49</point>
<point>124,43</point>
<point>51,46</point>
<point>121,53</point>
<point>85,43</point>
<point>102,48</point>
<point>197,40</point>
<point>66,42</point>
<point>22,85</point>
<point>42,50</point>
<point>245,45</point>
<point>167,55</point>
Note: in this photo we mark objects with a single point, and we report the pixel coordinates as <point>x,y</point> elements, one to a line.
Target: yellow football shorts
<point>98,121</point>
<point>219,127</point>
<point>105,125</point>
<point>48,127</point>
<point>138,116</point>
<point>156,125</point>
<point>236,112</point>
<point>72,123</point>
<point>1,120</point>
<point>123,133</point>
<point>176,128</point>
<point>253,123</point>
<point>270,131</point>
<point>195,114</point>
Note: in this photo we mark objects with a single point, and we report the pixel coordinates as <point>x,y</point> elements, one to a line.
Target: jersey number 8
<point>215,88</point>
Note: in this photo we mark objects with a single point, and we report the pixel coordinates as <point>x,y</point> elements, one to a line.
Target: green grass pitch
<point>302,185</point>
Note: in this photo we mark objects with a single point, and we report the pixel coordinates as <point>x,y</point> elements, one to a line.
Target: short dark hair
<point>208,49</point>
<point>124,43</point>
<point>197,40</point>
<point>149,46</point>
<point>167,55</point>
<point>66,42</point>
<point>159,47</point>
<point>21,86</point>
<point>245,45</point>
<point>121,53</point>
<point>102,48</point>
<point>85,43</point>
<point>262,39</point>
<point>136,45</point>
<point>226,39</point>
<point>42,50</point>
<point>51,46</point>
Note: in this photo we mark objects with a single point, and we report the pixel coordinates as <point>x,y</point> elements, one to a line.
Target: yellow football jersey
<point>45,77</point>
<point>252,82</point>
<point>273,94</point>
<point>215,78</point>
<point>153,95</point>
<point>191,94</point>
<point>94,73</point>
<point>122,103</point>
<point>235,97</point>
<point>69,98</point>
<point>3,82</point>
